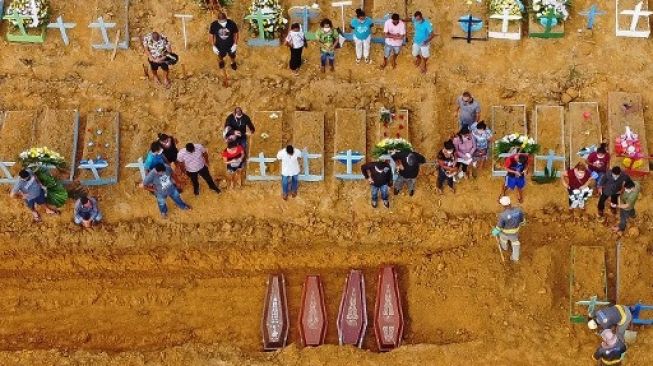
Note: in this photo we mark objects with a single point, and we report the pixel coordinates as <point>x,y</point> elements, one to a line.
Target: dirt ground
<point>189,291</point>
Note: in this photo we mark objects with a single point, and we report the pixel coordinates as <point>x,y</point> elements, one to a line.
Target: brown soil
<point>588,271</point>
<point>189,291</point>
<point>17,133</point>
<point>582,132</point>
<point>308,133</point>
<point>549,134</point>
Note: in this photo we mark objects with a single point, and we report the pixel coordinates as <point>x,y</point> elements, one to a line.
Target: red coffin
<point>312,315</point>
<point>388,314</point>
<point>275,324</point>
<point>352,316</point>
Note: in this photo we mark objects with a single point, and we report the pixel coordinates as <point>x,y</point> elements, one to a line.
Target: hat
<point>609,338</point>
<point>592,324</point>
<point>504,201</point>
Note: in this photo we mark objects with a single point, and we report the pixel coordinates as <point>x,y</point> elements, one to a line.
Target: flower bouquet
<point>37,12</point>
<point>515,143</point>
<point>559,9</point>
<point>629,147</point>
<point>39,160</point>
<point>272,27</point>
<point>389,146</point>
<point>203,4</point>
<point>515,7</point>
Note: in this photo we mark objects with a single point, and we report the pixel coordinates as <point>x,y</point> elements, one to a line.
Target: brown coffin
<point>352,315</point>
<point>388,313</point>
<point>312,314</point>
<point>275,324</point>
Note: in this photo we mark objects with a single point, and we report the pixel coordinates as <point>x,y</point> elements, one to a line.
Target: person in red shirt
<point>234,157</point>
<point>599,161</point>
<point>517,169</point>
<point>575,179</point>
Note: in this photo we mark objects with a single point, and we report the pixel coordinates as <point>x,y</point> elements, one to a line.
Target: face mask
<point>158,152</point>
<point>239,115</point>
<point>222,22</point>
<point>326,29</point>
<point>615,177</point>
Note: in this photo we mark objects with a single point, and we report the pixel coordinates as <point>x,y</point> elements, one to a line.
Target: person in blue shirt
<point>362,29</point>
<point>154,157</point>
<point>422,40</point>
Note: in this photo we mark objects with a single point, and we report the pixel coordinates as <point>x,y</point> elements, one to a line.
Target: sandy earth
<point>139,290</point>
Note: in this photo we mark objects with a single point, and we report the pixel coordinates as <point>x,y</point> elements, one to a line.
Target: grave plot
<point>307,14</point>
<point>138,151</point>
<point>632,18</point>
<point>16,135</point>
<point>101,153</point>
<point>469,21</point>
<point>584,130</point>
<point>505,22</point>
<point>549,124</point>
<point>350,143</point>
<point>308,135</point>
<point>627,132</point>
<point>27,21</point>
<point>264,145</point>
<point>507,120</point>
<point>110,27</point>
<point>546,25</point>
<point>341,13</point>
<point>587,281</point>
<point>393,125</point>
<point>383,7</point>
<point>59,131</point>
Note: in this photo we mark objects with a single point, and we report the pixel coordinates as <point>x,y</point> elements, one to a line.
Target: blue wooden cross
<point>260,17</point>
<point>349,158</point>
<point>307,176</point>
<point>470,25</point>
<point>550,159</point>
<point>59,24</point>
<point>8,177</point>
<point>263,169</point>
<point>94,167</point>
<point>636,311</point>
<point>591,14</point>
<point>103,27</point>
<point>548,21</point>
<point>306,14</point>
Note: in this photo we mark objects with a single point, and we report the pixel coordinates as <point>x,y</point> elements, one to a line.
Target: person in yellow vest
<point>617,317</point>
<point>611,351</point>
<point>507,229</point>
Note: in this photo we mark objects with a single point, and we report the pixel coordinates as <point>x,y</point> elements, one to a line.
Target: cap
<point>592,324</point>
<point>504,201</point>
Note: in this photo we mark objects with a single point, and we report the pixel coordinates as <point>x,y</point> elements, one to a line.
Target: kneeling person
<point>87,212</point>
<point>32,191</point>
<point>617,317</point>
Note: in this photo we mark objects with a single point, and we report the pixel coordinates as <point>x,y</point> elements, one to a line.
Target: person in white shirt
<point>296,41</point>
<point>289,158</point>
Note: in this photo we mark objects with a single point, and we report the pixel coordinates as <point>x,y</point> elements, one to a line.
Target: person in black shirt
<point>447,169</point>
<point>224,39</point>
<point>235,127</point>
<point>379,175</point>
<point>408,163</point>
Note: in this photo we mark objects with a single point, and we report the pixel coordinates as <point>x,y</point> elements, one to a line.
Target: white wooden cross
<point>307,176</point>
<point>636,14</point>
<point>341,5</point>
<point>262,161</point>
<point>138,165</point>
<point>100,24</point>
<point>183,18</point>
<point>505,18</point>
<point>62,28</point>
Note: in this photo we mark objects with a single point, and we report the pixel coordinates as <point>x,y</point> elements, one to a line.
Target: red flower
<point>385,134</point>
<point>401,127</point>
<point>401,116</point>
<point>398,135</point>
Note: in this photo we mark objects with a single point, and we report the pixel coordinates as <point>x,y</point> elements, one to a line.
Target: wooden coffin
<point>275,323</point>
<point>312,314</point>
<point>352,315</point>
<point>388,313</point>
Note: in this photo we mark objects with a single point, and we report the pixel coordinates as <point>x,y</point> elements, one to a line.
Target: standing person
<point>290,169</point>
<point>362,32</point>
<point>224,41</point>
<point>517,169</point>
<point>236,125</point>
<point>296,41</point>
<point>234,157</point>
<point>327,37</point>
<point>379,175</point>
<point>33,193</point>
<point>447,168</point>
<point>394,30</point>
<point>407,163</point>
<point>169,146</point>
<point>507,229</point>
<point>616,318</point>
<point>422,40</point>
<point>610,186</point>
<point>469,110</point>
<point>598,161</point>
<point>158,50</point>
<point>160,182</point>
<point>627,205</point>
<point>577,181</point>
<point>87,213</point>
<point>611,349</point>
<point>465,148</point>
<point>483,137</point>
<point>154,156</point>
<point>194,160</point>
